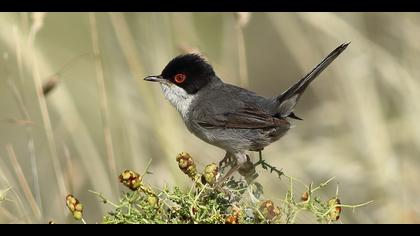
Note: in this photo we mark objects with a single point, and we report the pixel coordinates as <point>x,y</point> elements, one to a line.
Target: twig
<point>104,200</point>
<point>323,184</point>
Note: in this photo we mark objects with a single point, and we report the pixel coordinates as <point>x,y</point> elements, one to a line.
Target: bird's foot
<point>246,168</point>
<point>248,171</point>
<point>236,161</point>
<point>228,160</point>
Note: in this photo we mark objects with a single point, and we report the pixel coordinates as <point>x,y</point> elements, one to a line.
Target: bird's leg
<point>227,161</point>
<point>241,158</point>
<point>260,159</point>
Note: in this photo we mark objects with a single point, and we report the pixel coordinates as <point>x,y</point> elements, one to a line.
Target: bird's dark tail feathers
<point>288,99</point>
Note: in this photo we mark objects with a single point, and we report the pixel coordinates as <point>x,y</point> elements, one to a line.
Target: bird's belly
<point>233,140</point>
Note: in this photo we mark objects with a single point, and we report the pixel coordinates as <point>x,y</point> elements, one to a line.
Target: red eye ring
<point>180,78</point>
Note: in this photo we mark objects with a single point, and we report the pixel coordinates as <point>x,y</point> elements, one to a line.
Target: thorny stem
<point>346,206</point>
<point>102,197</point>
<point>265,165</point>
<point>293,219</point>
<point>295,179</point>
<point>199,193</point>
<point>307,205</point>
<point>323,184</point>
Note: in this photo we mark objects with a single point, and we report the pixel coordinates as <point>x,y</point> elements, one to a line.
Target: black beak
<point>154,78</point>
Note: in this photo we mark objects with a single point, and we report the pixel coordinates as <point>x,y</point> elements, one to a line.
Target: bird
<point>232,118</point>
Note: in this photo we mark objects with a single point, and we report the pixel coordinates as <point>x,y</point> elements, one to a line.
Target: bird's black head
<point>189,71</point>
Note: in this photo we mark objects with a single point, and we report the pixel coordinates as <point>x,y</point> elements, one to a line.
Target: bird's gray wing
<point>244,116</point>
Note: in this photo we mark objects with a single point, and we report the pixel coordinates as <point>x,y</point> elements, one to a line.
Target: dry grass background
<point>360,117</point>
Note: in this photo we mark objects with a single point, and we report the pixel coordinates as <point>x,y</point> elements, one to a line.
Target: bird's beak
<point>154,78</point>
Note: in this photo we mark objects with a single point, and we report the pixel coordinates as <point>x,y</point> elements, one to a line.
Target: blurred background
<point>98,117</point>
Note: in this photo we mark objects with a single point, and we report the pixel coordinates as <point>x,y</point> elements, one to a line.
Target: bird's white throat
<point>178,97</point>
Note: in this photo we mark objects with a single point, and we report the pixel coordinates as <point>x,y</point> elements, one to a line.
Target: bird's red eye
<point>180,78</point>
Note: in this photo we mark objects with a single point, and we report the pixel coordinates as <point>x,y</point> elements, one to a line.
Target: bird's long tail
<point>289,98</point>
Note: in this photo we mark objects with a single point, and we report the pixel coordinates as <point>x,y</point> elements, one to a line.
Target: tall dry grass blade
<point>20,98</point>
<point>8,215</point>
<point>102,97</point>
<point>23,183</point>
<point>34,169</point>
<point>289,29</point>
<point>3,193</point>
<point>70,169</point>
<point>73,127</point>
<point>22,209</point>
<point>52,81</point>
<point>368,116</point>
<point>363,90</point>
<point>36,26</point>
<point>128,46</point>
<point>132,58</point>
<point>24,22</point>
<point>31,146</point>
<point>20,212</point>
<point>241,22</point>
<point>18,52</point>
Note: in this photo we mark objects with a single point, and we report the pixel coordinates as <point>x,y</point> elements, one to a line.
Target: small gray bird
<point>227,116</point>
